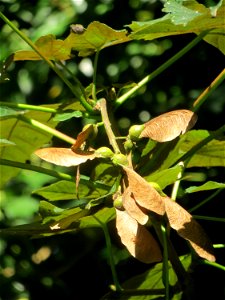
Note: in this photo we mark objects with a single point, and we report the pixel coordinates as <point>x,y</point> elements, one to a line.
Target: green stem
<point>49,62</point>
<point>76,80</point>
<point>47,129</point>
<point>218,246</point>
<point>215,219</point>
<point>165,261</point>
<point>52,173</point>
<point>177,182</point>
<point>109,248</point>
<point>208,91</point>
<point>205,201</point>
<point>213,264</point>
<point>94,86</point>
<point>29,107</point>
<point>107,124</point>
<point>159,70</point>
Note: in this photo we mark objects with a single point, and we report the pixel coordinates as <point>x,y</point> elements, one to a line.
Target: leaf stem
<point>94,86</point>
<point>76,80</point>
<point>165,261</point>
<point>208,91</point>
<point>177,182</point>
<point>105,118</point>
<point>24,166</point>
<point>215,219</point>
<point>213,264</point>
<point>109,248</point>
<point>205,201</point>
<point>29,107</point>
<point>47,129</point>
<point>86,105</point>
<point>162,68</point>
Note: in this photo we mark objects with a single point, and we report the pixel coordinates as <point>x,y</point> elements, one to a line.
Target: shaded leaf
<point>170,125</point>
<point>189,229</point>
<point>96,37</point>
<point>50,47</point>
<point>137,239</point>
<point>64,156</point>
<point>209,185</point>
<point>66,190</point>
<point>152,280</point>
<point>144,194</point>
<point>104,215</point>
<point>65,219</point>
<point>105,173</point>
<point>133,209</point>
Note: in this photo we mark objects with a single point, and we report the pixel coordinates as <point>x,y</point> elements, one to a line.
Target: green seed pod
<point>135,131</point>
<point>128,145</point>
<point>104,152</point>
<point>120,159</point>
<point>118,203</point>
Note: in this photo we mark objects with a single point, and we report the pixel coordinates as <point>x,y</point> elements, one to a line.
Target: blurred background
<point>74,266</point>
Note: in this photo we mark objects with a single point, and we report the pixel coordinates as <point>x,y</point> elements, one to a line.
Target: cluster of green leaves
<point>87,201</point>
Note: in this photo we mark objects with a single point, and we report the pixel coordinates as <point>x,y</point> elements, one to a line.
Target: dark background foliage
<point>75,265</point>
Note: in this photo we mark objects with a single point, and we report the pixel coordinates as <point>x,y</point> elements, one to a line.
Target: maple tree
<point>137,167</point>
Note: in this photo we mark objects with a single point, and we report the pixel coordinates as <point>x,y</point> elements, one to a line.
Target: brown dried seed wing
<point>137,239</point>
<point>170,125</point>
<point>144,194</point>
<point>189,229</point>
<point>82,137</point>
<point>133,209</point>
<point>63,156</point>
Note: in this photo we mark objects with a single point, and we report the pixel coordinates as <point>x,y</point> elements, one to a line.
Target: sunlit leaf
<point>133,209</point>
<point>144,194</point>
<point>96,37</point>
<point>137,239</point>
<point>7,112</point>
<point>60,117</point>
<point>64,156</point>
<point>209,185</point>
<point>164,177</point>
<point>48,46</point>
<point>170,125</point>
<point>189,229</point>
<point>165,26</point>
<point>4,143</point>
<point>180,14</point>
<point>26,138</point>
<point>210,155</point>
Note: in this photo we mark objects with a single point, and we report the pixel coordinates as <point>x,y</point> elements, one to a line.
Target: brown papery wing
<point>144,194</point>
<point>170,125</point>
<point>64,156</point>
<point>189,229</point>
<point>137,239</point>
